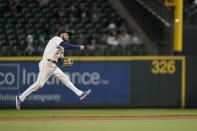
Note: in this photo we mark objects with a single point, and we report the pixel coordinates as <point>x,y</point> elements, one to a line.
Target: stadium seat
<point>33,19</point>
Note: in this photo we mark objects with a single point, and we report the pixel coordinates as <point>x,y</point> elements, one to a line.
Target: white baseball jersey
<point>53,50</point>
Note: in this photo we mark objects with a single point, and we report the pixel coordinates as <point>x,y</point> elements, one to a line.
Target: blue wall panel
<point>109,82</point>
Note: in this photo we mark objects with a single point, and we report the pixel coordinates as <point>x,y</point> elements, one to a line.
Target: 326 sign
<point>163,67</point>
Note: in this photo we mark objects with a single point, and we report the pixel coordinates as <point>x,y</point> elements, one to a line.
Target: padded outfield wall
<point>152,81</point>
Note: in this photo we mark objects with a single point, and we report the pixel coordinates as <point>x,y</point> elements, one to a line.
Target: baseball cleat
<point>84,94</point>
<point>18,102</point>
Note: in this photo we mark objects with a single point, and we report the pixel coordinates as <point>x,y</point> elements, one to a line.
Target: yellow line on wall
<point>97,58</point>
<point>36,58</point>
<point>183,84</point>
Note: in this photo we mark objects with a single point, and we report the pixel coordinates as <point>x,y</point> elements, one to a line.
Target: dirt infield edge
<point>98,118</point>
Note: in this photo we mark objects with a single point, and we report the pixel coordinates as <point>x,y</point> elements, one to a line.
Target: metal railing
<point>157,8</point>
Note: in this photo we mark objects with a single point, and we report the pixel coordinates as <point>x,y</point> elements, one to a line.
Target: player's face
<point>66,36</point>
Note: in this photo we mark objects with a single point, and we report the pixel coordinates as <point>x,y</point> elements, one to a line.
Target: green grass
<point>98,112</point>
<point>100,125</point>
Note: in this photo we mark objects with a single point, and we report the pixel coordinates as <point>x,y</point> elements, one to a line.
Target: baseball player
<point>54,53</point>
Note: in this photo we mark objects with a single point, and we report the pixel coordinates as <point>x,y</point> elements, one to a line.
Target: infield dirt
<point>98,118</point>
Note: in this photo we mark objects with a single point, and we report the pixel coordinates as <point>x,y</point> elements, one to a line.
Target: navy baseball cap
<point>61,31</point>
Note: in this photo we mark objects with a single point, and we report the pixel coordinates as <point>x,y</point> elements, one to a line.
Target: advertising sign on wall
<point>109,82</point>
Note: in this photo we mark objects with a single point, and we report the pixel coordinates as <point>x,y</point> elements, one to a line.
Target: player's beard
<point>65,39</point>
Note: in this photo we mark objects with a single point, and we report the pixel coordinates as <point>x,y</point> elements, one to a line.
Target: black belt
<point>52,61</point>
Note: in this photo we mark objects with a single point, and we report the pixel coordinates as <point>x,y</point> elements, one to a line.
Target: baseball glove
<point>66,61</point>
